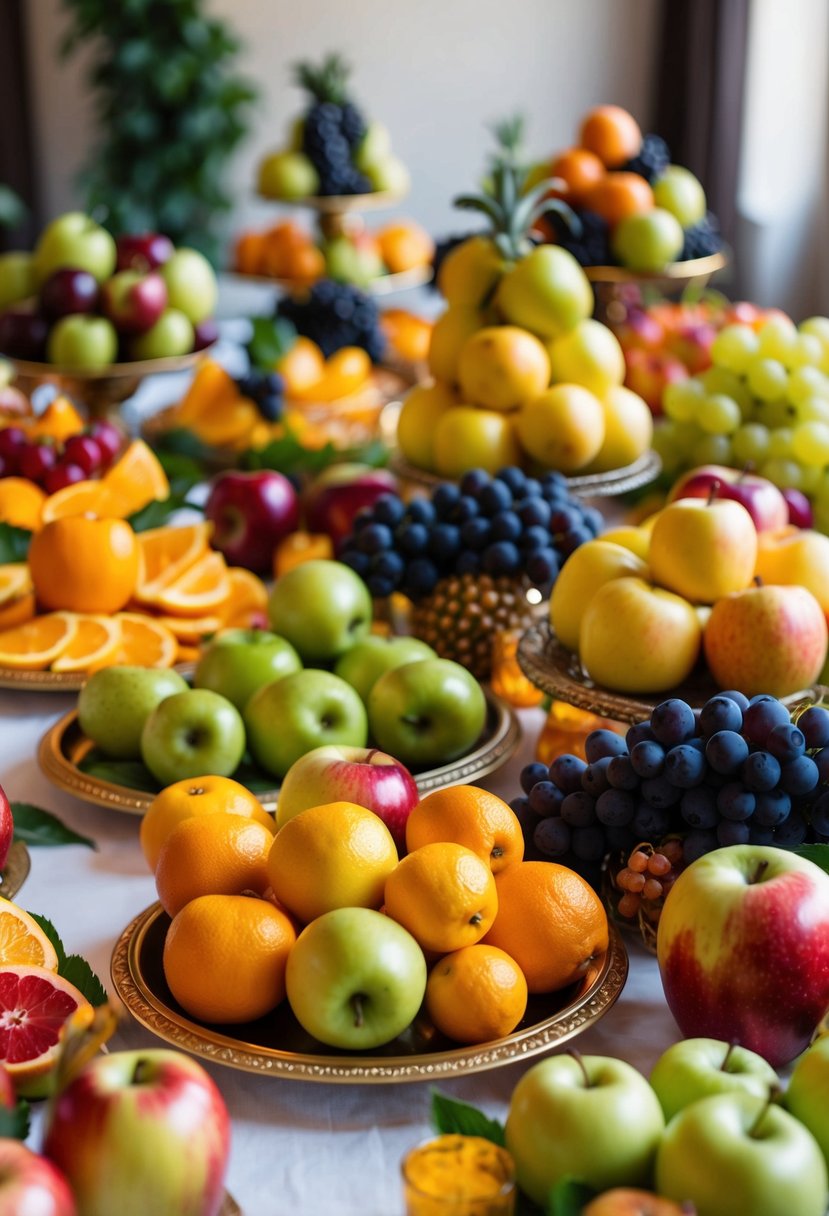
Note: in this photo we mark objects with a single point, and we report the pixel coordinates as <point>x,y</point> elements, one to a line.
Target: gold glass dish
<point>55,681</point>
<point>382,285</point>
<point>276,1045</point>
<point>64,747</point>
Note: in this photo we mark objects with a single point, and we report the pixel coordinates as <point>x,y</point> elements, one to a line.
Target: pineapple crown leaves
<point>511,213</point>
<point>327,81</point>
<point>509,134</point>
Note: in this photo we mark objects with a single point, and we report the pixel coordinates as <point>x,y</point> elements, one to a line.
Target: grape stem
<point>577,1056</point>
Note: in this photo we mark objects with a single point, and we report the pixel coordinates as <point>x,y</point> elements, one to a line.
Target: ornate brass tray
<point>592,485</point>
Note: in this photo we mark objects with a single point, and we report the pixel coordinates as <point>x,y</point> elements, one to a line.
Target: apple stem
<point>714,490</point>
<point>759,872</point>
<point>357,1006</point>
<point>140,1073</point>
<point>728,1054</point>
<point>774,1093</point>
<point>747,468</point>
<point>577,1056</point>
<point>758,580</point>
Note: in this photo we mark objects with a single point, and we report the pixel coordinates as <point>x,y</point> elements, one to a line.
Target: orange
<point>467,815</point>
<point>80,498</point>
<point>408,334</point>
<point>59,421</point>
<point>22,940</point>
<point>94,645</point>
<point>344,373</point>
<point>35,644</point>
<point>136,479</point>
<point>550,921</point>
<point>301,366</point>
<point>144,642</point>
<point>405,245</point>
<point>444,895</point>
<point>167,552</point>
<point>15,581</point>
<point>199,590</point>
<point>249,253</point>
<point>194,797</point>
<point>221,854</point>
<point>247,604</point>
<point>579,170</point>
<point>476,994</point>
<point>228,423</point>
<point>17,611</point>
<point>304,263</point>
<point>618,195</point>
<point>210,384</point>
<point>84,565</point>
<point>21,503</point>
<point>225,957</point>
<point>612,133</point>
<point>334,856</point>
<point>35,1005</point>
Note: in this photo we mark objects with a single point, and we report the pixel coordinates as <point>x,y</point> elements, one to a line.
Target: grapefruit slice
<point>94,645</point>
<point>35,1005</point>
<point>22,941</point>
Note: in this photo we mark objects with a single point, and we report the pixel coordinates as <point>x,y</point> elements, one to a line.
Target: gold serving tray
<point>278,1046</point>
<point>18,864</point>
<point>64,746</point>
<point>382,285</point>
<point>337,204</point>
<point>593,485</point>
<point>677,272</point>
<point>56,681</point>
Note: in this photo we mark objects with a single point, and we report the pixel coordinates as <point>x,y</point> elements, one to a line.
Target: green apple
<point>355,979</point>
<point>389,173</point>
<point>238,662</point>
<point>192,734</point>
<point>171,335</point>
<point>74,240</point>
<point>308,709</point>
<point>374,147</point>
<point>191,284</point>
<point>115,702</point>
<point>288,175</point>
<point>322,607</point>
<point>589,355</point>
<point>80,341</point>
<point>346,262</point>
<point>364,664</point>
<point>648,241</point>
<point>806,1097</point>
<point>547,292</point>
<point>427,712</point>
<point>679,192</point>
<point>699,1068</point>
<point>17,278</point>
<point>737,1153</point>
<point>592,1118</point>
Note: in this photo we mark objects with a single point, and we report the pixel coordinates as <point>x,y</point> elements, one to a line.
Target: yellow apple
<point>637,539</point>
<point>469,438</point>
<point>796,555</point>
<point>638,638</point>
<point>501,367</point>
<point>449,333</point>
<point>589,355</point>
<point>563,428</point>
<point>586,570</point>
<point>416,423</point>
<point>628,430</point>
<point>703,549</point>
<point>469,273</point>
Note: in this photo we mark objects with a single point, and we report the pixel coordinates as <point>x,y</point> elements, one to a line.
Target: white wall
<point>435,71</point>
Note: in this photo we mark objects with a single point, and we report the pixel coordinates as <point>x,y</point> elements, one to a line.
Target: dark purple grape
<point>621,774</point>
<point>814,722</point>
<point>420,578</point>
<point>513,477</point>
<point>760,835</point>
<point>374,538</point>
<point>444,498</point>
<point>619,839</point>
<point>726,751</point>
<point>534,538</point>
<point>573,539</point>
<point>735,802</point>
<point>534,512</point>
<point>791,832</point>
<point>445,542</point>
<point>799,776</point>
<point>473,481</point>
<point>495,497</point>
<point>563,519</point>
<point>697,844</point>
<point>464,509</point>
<point>739,698</point>
<point>730,831</point>
<point>594,778</point>
<point>388,509</point>
<point>819,815</point>
<point>761,772</point>
<point>720,713</point>
<point>359,562</point>
<point>579,809</point>
<point>673,722</point>
<point>659,792</point>
<point>412,538</point>
<point>566,771</point>
<point>501,558</point>
<point>388,565</point>
<point>615,808</point>
<point>786,742</point>
<point>531,774</point>
<point>772,807</point>
<point>698,807</point>
<point>542,567</point>
<point>379,586</point>
<point>545,798</point>
<point>468,563</point>
<point>650,822</point>
<point>601,743</point>
<point>647,758</point>
<point>588,844</point>
<point>685,766</point>
<point>475,533</point>
<point>552,837</point>
<point>762,715</point>
<point>505,525</point>
<point>594,520</point>
<point>638,733</point>
<point>420,511</point>
<point>822,762</point>
<point>519,805</point>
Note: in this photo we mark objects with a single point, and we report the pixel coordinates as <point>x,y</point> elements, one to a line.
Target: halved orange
<point>22,940</point>
<point>248,599</point>
<point>201,589</point>
<point>136,479</point>
<point>94,645</point>
<point>21,503</point>
<point>81,498</point>
<point>166,553</point>
<point>18,611</point>
<point>33,646</point>
<point>144,643</point>
<point>15,581</point>
<point>35,1006</point>
<point>191,629</point>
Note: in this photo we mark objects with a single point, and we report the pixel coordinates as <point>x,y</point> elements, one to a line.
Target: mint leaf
<point>14,1123</point>
<point>130,773</point>
<point>53,935</point>
<point>449,1115</point>
<point>34,826</point>
<point>568,1198</point>
<point>77,971</point>
<point>272,338</point>
<point>818,853</point>
<point>14,543</point>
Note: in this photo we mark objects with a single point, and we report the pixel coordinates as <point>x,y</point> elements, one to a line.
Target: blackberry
<point>333,127</point>
<point>266,390</point>
<point>335,315</point>
<point>591,247</point>
<point>652,159</point>
<point>702,239</point>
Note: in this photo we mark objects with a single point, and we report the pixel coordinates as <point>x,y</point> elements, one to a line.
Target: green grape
<point>667,447</point>
<point>780,443</point>
<point>712,449</point>
<point>806,382</point>
<point>784,473</point>
<point>719,415</point>
<point>810,443</point>
<point>812,409</point>
<point>820,492</point>
<point>774,413</point>
<point>819,326</point>
<point>717,380</point>
<point>806,352</point>
<point>734,347</point>
<point>821,520</point>
<point>777,338</point>
<point>681,398</point>
<point>810,475</point>
<point>768,379</point>
<point>751,444</point>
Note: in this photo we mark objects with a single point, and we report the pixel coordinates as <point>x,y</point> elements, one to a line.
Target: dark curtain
<point>17,150</point>
<point>700,90</point>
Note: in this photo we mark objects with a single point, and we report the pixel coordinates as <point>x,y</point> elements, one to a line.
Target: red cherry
<point>62,475</point>
<point>108,438</point>
<point>36,460</point>
<point>12,441</point>
<point>6,469</point>
<point>85,451</point>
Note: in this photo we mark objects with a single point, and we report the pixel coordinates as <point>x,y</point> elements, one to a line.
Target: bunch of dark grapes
<point>510,525</point>
<point>651,160</point>
<point>53,465</point>
<point>702,239</point>
<point>333,127</point>
<point>589,242</point>
<point>335,315</point>
<point>739,771</point>
<point>267,392</point>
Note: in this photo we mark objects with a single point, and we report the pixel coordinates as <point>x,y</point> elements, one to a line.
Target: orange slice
<point>166,553</point>
<point>15,581</point>
<point>200,590</point>
<point>144,643</point>
<point>188,654</point>
<point>210,382</point>
<point>82,498</point>
<point>248,596</point>
<point>22,940</point>
<point>60,420</point>
<point>33,646</point>
<point>18,611</point>
<point>228,422</point>
<point>94,645</point>
<point>136,479</point>
<point>35,1006</point>
<point>21,503</point>
<point>191,630</point>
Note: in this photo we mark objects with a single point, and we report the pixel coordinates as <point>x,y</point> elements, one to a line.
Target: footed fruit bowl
<point>612,284</point>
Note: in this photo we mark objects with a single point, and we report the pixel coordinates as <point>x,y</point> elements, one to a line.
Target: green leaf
<point>130,773</point>
<point>158,512</point>
<point>34,826</point>
<point>818,853</point>
<point>568,1198</point>
<point>289,455</point>
<point>14,543</point>
<point>78,972</point>
<point>14,1123</point>
<point>53,935</point>
<point>449,1115</point>
<point>272,339</point>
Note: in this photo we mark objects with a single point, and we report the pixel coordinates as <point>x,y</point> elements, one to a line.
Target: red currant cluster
<point>52,465</point>
<point>648,876</point>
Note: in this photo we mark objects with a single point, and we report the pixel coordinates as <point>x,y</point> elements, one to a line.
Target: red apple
<point>763,501</point>
<point>143,251</point>
<point>30,1185</point>
<point>23,333</point>
<point>369,777</point>
<point>140,1132</point>
<point>649,373</point>
<point>639,331</point>
<point>800,509</point>
<point>250,513</point>
<point>743,949</point>
<point>134,301</point>
<point>339,492</point>
<point>692,345</point>
<point>68,291</point>
<point>6,828</point>
<point>205,333</point>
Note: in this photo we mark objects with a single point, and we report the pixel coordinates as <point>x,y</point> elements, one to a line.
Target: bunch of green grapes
<point>764,403</point>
